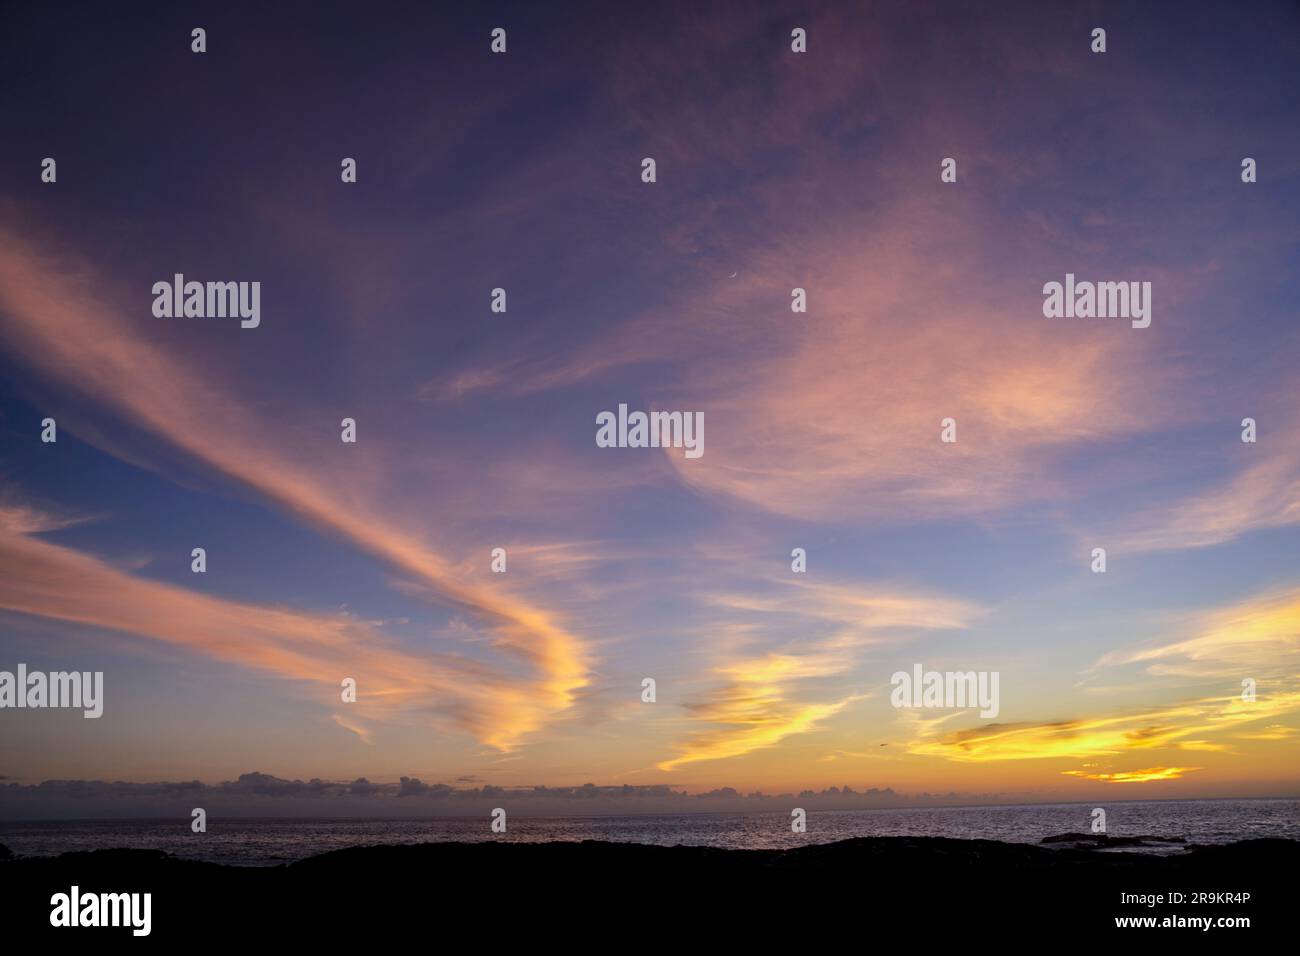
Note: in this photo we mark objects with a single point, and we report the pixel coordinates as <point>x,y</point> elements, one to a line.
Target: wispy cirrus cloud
<point>1180,726</point>
<point>776,171</point>
<point>55,319</point>
<point>1264,492</point>
<point>48,580</point>
<point>1255,637</point>
<point>759,698</point>
<point>755,707</point>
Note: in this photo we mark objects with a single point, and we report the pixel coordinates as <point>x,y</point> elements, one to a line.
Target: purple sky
<point>775,170</point>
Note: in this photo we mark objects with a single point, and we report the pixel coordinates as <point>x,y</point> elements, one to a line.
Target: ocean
<point>266,842</point>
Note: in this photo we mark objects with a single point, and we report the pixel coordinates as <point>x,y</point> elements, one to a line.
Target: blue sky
<point>775,170</point>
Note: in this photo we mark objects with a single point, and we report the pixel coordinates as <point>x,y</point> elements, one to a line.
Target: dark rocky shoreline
<point>520,892</point>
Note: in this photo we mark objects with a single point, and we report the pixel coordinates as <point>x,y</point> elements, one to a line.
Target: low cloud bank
<point>260,794</point>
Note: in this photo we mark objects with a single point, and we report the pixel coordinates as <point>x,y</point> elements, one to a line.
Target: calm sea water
<point>266,842</point>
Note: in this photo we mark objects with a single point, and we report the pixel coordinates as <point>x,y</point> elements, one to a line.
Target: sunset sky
<point>476,430</point>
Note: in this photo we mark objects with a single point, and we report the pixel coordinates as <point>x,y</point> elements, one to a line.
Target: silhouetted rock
<point>594,895</point>
<point>1084,841</point>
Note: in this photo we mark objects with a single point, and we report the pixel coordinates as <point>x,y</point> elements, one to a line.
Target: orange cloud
<point>1258,637</point>
<point>764,698</point>
<point>753,711</point>
<point>44,579</point>
<point>54,316</point>
<point>1134,776</point>
<point>1182,726</point>
<point>838,412</point>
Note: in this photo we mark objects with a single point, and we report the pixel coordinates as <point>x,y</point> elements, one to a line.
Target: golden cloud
<point>1134,776</point>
